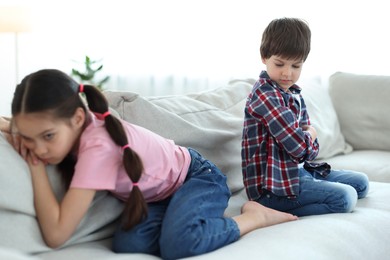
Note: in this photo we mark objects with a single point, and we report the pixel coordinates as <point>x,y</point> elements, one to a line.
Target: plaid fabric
<point>273,143</point>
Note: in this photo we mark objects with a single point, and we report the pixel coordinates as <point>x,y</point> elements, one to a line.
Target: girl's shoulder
<point>95,136</point>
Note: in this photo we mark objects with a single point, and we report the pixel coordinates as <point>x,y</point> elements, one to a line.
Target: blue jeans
<point>191,222</point>
<point>336,193</point>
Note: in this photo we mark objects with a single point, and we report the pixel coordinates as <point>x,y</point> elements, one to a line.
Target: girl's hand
<point>34,163</point>
<point>17,143</point>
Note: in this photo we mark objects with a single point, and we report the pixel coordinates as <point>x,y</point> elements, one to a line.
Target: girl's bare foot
<point>254,216</point>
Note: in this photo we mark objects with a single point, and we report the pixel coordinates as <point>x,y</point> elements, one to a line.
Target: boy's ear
<point>263,60</point>
<point>78,118</point>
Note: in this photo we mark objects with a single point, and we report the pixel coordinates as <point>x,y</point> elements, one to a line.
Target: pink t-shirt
<point>99,162</point>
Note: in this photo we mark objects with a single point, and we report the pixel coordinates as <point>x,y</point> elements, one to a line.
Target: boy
<point>279,142</point>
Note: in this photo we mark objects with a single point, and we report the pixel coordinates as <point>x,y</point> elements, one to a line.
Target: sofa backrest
<point>209,121</point>
<point>362,103</point>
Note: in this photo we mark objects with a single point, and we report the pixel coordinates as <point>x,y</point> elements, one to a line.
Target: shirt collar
<point>295,89</point>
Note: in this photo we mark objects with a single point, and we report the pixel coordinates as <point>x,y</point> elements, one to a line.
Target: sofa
<point>350,113</point>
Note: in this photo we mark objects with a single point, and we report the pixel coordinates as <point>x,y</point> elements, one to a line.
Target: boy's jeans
<point>337,193</point>
<point>191,222</point>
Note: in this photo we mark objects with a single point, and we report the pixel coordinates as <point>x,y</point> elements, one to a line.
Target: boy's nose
<point>287,71</point>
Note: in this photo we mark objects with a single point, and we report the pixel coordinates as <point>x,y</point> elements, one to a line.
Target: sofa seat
<point>362,234</point>
<point>375,163</point>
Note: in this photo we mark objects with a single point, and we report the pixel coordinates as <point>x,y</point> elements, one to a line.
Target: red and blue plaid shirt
<point>273,142</point>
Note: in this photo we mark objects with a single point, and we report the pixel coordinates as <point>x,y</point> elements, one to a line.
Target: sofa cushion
<point>323,117</point>
<point>362,105</point>
<point>19,228</point>
<point>374,163</point>
<point>362,234</point>
<point>210,121</point>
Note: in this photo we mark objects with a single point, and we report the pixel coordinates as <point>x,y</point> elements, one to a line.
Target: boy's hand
<point>311,130</point>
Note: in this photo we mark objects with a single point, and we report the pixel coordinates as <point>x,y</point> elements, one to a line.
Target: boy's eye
<point>279,65</point>
<point>296,66</point>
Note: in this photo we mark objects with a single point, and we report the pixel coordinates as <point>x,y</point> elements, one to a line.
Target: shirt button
<point>268,196</point>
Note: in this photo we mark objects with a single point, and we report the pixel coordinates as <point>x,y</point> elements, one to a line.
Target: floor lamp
<point>15,19</point>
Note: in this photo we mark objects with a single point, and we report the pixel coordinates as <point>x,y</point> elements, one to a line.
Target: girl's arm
<point>5,124</point>
<point>57,221</point>
<point>5,127</point>
<point>13,138</point>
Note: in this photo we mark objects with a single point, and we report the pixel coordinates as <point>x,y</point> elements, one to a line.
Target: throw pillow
<point>209,121</point>
<point>323,117</point>
<point>19,228</point>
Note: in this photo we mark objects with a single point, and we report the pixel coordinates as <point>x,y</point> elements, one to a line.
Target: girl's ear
<point>78,118</point>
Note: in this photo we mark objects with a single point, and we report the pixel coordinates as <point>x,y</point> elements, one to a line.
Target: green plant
<point>91,68</point>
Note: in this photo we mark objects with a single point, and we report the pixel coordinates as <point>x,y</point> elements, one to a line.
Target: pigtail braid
<point>135,208</point>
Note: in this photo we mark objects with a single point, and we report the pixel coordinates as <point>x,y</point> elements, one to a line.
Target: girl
<point>173,196</point>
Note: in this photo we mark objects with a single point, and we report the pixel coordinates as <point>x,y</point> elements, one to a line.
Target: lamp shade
<point>15,19</point>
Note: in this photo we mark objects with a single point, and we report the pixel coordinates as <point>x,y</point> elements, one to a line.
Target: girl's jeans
<point>189,223</point>
<point>336,193</point>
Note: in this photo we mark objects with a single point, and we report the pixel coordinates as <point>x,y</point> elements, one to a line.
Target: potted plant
<point>88,76</point>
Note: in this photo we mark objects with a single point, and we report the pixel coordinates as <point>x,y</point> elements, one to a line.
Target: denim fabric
<point>189,223</point>
<point>336,193</point>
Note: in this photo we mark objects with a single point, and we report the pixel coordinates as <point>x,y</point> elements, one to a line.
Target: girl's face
<point>51,140</point>
<point>285,72</point>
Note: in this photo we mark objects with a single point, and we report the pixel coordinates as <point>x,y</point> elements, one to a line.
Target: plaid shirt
<point>273,143</point>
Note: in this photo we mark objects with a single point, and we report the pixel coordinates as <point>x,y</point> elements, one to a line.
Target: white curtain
<point>163,85</point>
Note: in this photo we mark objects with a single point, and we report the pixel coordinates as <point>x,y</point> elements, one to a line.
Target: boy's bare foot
<point>254,216</point>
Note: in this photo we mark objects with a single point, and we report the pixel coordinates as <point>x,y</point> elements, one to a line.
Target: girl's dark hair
<point>286,37</point>
<point>54,92</point>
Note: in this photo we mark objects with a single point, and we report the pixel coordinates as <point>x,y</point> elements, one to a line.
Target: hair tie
<point>106,114</point>
<point>81,88</point>
<point>135,184</point>
<point>125,146</point>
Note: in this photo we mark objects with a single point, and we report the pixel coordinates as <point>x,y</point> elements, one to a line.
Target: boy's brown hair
<point>286,37</point>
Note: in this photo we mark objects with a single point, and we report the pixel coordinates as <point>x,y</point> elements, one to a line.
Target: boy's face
<point>283,71</point>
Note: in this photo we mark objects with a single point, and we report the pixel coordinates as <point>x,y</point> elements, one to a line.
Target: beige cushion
<point>324,118</point>
<point>19,228</point>
<point>374,163</point>
<point>362,105</point>
<point>210,122</point>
